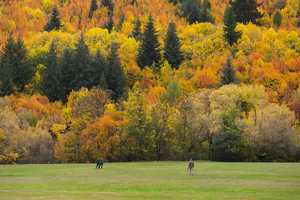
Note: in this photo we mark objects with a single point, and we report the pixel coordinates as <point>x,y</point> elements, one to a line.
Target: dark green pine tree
<point>205,15</point>
<point>137,29</point>
<point>7,73</point>
<point>101,67</point>
<point>110,23</point>
<point>23,70</point>
<point>172,47</point>
<point>277,18</point>
<point>229,30</point>
<point>66,62</point>
<point>228,74</point>
<point>83,71</point>
<point>149,47</point>
<point>54,23</point>
<point>93,8</point>
<point>52,76</point>
<point>173,1</point>
<point>246,11</point>
<point>191,10</point>
<point>115,77</point>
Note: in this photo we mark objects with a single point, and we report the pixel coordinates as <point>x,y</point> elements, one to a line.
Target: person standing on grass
<point>98,163</point>
<point>191,167</point>
<point>101,163</point>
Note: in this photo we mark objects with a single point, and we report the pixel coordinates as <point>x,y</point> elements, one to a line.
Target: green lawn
<point>151,180</point>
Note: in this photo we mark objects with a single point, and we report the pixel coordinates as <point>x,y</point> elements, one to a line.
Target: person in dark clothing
<point>191,167</point>
<point>101,163</point>
<point>98,163</point>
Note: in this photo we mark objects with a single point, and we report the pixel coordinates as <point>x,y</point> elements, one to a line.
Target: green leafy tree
<point>149,47</point>
<point>54,23</point>
<point>172,47</point>
<point>93,8</point>
<point>277,18</point>
<point>139,128</point>
<point>229,144</point>
<point>173,91</point>
<point>228,74</point>
<point>52,77</point>
<point>229,30</point>
<point>115,77</point>
<point>246,11</point>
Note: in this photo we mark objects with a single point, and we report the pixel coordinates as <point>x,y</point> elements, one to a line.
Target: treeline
<point>232,123</point>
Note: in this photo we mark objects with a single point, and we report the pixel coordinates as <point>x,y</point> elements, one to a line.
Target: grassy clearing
<point>151,180</point>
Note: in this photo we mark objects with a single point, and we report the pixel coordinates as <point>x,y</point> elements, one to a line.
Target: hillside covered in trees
<point>135,80</point>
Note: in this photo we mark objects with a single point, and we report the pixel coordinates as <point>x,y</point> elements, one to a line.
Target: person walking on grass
<point>101,163</point>
<point>191,167</point>
<point>98,163</point>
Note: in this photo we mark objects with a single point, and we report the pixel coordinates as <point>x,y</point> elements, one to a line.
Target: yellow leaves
<point>47,6</point>
<point>205,78</point>
<point>2,136</point>
<point>57,129</point>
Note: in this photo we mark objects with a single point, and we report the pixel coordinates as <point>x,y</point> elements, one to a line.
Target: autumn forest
<point>143,80</point>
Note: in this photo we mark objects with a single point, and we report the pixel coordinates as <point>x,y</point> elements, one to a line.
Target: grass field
<point>151,180</point>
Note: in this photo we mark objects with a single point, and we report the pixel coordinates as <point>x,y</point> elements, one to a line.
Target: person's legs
<point>101,166</point>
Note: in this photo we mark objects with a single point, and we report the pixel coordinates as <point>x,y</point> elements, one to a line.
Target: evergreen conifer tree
<point>137,29</point>
<point>228,74</point>
<point>54,23</point>
<point>7,73</point>
<point>205,15</point>
<point>110,23</point>
<point>101,67</point>
<point>66,62</point>
<point>191,10</point>
<point>149,48</point>
<point>277,18</point>
<point>172,47</point>
<point>93,8</point>
<point>83,72</point>
<point>115,77</point>
<point>52,77</point>
<point>229,30</point>
<point>246,11</point>
<point>23,71</point>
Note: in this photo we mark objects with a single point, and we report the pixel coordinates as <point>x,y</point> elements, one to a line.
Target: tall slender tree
<point>137,29</point>
<point>7,74</point>
<point>23,70</point>
<point>115,78</point>
<point>83,72</point>
<point>52,77</point>
<point>229,30</point>
<point>173,54</point>
<point>54,23</point>
<point>101,67</point>
<point>149,47</point>
<point>228,74</point>
<point>93,8</point>
<point>66,63</point>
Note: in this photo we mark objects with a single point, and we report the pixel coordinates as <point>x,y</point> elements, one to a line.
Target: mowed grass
<point>151,180</point>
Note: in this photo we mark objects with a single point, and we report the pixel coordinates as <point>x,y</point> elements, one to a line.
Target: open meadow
<point>151,180</point>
